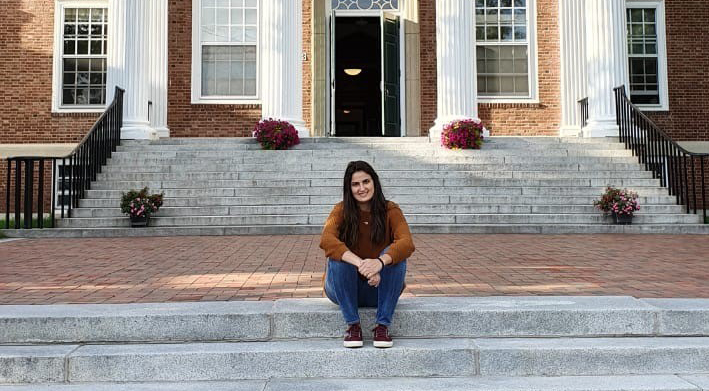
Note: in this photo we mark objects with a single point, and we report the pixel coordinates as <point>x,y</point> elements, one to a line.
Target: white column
<point>116,47</point>
<point>281,64</point>
<point>158,60</point>
<point>606,60</point>
<point>573,64</point>
<point>456,69</point>
<point>136,71</point>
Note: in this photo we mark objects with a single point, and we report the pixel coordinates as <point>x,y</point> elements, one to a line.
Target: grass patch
<point>47,221</point>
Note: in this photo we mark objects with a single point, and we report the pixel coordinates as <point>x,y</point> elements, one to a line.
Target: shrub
<point>139,203</point>
<point>620,202</point>
<point>275,134</point>
<point>463,134</point>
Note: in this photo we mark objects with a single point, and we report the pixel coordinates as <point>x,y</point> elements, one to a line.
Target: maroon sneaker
<point>381,337</point>
<point>353,336</point>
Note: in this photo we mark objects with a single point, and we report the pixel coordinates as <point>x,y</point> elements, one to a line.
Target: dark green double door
<point>388,83</point>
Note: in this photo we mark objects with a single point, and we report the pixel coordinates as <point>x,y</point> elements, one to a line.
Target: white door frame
<point>329,44</point>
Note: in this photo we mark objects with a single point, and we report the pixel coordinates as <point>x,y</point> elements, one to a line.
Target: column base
<point>138,131</point>
<point>570,131</point>
<point>298,124</point>
<point>601,128</point>
<point>163,132</point>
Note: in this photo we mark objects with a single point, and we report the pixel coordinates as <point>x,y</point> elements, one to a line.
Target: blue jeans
<point>344,287</point>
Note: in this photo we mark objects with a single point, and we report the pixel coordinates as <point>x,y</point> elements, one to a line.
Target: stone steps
<point>392,192</point>
<point>197,166</point>
<point>502,341</point>
<point>512,185</point>
<point>402,200</point>
<point>408,209</point>
<point>416,317</point>
<point>425,162</point>
<point>477,383</point>
<point>334,176</point>
<point>429,182</point>
<point>433,218</point>
<point>364,154</point>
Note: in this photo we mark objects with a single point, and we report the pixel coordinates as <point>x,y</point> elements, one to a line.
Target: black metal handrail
<point>84,162</point>
<point>583,112</point>
<point>668,161</point>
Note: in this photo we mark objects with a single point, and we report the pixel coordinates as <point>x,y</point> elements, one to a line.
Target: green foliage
<point>47,221</point>
<point>140,203</point>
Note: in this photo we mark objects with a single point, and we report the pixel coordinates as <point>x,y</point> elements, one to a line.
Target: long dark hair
<point>349,230</point>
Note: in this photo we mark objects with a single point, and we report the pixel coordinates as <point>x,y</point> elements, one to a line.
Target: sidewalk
<point>132,270</point>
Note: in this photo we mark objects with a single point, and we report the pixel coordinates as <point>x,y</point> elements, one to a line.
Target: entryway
<point>365,73</point>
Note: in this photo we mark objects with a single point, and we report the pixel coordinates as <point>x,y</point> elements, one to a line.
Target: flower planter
<point>139,221</point>
<point>622,219</point>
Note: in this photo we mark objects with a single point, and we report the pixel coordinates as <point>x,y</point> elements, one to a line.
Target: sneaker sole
<point>383,344</point>
<point>353,344</point>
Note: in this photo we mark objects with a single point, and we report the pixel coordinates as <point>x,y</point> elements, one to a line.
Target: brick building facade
<point>36,34</point>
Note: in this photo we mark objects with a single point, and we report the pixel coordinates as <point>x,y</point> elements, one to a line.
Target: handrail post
<point>7,194</point>
<point>40,195</point>
<point>54,192</point>
<point>18,189</point>
<point>694,184</point>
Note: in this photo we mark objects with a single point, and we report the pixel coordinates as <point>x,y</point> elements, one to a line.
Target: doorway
<point>358,69</point>
<point>365,75</point>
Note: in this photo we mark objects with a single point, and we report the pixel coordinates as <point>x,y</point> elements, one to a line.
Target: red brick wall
<point>27,30</point>
<point>185,119</point>
<point>687,64</point>
<point>428,63</point>
<point>503,119</point>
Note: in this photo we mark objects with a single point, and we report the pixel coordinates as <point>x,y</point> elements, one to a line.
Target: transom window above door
<point>365,4</point>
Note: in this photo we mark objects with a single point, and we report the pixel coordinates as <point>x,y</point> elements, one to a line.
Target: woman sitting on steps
<point>366,240</point>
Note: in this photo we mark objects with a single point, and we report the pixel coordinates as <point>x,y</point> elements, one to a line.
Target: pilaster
<point>573,64</point>
<point>158,57</point>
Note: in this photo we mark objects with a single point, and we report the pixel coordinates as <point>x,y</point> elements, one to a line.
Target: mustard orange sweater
<point>399,240</point>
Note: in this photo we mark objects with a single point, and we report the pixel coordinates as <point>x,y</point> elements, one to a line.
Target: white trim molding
<point>196,81</point>
<point>58,50</point>
<point>662,76</point>
<point>532,59</point>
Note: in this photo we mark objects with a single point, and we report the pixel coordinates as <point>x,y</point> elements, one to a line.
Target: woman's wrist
<point>381,261</point>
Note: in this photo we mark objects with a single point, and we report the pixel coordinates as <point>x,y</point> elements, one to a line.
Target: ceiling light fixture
<point>346,111</point>
<point>353,71</point>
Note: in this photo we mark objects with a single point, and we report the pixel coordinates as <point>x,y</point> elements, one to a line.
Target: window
<point>225,66</point>
<point>646,55</point>
<point>365,4</point>
<point>80,56</point>
<point>504,53</point>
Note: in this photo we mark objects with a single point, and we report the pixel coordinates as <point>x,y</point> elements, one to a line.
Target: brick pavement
<point>129,270</point>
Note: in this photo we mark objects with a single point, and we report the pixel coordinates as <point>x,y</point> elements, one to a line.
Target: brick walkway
<point>127,270</point>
